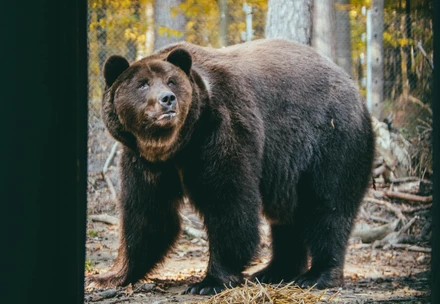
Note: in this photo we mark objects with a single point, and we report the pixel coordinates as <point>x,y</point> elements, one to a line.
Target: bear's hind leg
<point>327,236</point>
<point>289,255</point>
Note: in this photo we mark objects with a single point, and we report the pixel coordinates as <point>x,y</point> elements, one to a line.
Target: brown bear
<point>266,127</point>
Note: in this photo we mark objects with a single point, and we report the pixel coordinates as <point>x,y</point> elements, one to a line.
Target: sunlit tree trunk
<point>290,19</point>
<point>101,35</point>
<point>168,29</point>
<point>377,56</point>
<point>323,35</point>
<point>404,57</point>
<point>223,32</point>
<point>342,35</point>
<point>149,34</point>
<point>408,48</point>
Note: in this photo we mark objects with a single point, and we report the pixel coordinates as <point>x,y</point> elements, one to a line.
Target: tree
<point>101,35</point>
<point>131,41</point>
<point>223,32</point>
<point>375,94</point>
<point>306,21</point>
<point>342,35</point>
<point>170,23</point>
<point>290,19</point>
<point>323,34</point>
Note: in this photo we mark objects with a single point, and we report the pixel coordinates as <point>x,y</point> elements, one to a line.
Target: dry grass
<point>258,293</point>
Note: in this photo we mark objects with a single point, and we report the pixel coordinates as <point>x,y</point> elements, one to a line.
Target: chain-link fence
<point>392,53</point>
<point>389,54</point>
<point>127,28</point>
<point>399,68</point>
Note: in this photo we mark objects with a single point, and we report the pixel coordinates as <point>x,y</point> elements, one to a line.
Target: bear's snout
<point>167,100</point>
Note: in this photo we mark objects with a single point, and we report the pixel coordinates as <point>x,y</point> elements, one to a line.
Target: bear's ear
<point>113,67</point>
<point>181,58</point>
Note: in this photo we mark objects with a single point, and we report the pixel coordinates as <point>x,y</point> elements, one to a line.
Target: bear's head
<point>145,105</point>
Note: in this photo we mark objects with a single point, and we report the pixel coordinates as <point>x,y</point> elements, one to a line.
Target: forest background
<point>386,46</point>
<point>135,28</point>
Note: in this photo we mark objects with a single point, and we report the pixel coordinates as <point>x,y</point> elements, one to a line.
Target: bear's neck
<point>158,149</point>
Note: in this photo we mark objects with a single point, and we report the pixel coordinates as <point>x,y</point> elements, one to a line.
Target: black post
<point>43,109</point>
<point>435,260</point>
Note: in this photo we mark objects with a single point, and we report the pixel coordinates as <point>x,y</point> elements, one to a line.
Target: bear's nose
<point>167,100</point>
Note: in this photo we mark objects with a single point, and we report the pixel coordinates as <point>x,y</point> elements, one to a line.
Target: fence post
<point>248,11</point>
<point>369,74</point>
<point>223,32</point>
<point>375,58</point>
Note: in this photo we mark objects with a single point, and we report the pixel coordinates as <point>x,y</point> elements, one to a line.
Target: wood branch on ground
<point>110,158</point>
<point>121,300</point>
<point>377,193</point>
<point>408,197</point>
<point>415,209</point>
<point>404,179</point>
<point>111,187</point>
<point>372,217</point>
<point>105,169</point>
<point>388,206</point>
<point>431,64</point>
<point>195,233</point>
<point>411,247</point>
<point>369,234</point>
<point>409,187</point>
<point>377,161</point>
<point>379,170</point>
<point>104,218</point>
<point>420,103</point>
<point>394,237</point>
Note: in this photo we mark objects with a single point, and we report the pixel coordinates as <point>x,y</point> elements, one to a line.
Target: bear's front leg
<point>149,219</point>
<point>231,216</point>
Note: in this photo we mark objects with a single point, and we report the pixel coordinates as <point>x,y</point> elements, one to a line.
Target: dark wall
<point>435,266</point>
<point>43,112</point>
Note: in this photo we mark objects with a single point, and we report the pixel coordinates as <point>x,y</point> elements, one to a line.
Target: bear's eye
<point>143,85</point>
<point>171,83</point>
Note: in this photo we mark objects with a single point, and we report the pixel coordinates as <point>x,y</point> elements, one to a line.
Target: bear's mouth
<point>169,115</point>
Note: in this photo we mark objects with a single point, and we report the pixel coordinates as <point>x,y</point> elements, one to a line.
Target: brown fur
<point>268,126</point>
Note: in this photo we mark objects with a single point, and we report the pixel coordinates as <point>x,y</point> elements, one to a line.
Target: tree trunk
<point>149,34</point>
<point>323,36</point>
<point>409,48</point>
<point>343,35</point>
<point>223,32</point>
<point>290,19</point>
<point>376,58</point>
<point>131,44</point>
<point>101,35</point>
<point>404,63</point>
<point>168,29</point>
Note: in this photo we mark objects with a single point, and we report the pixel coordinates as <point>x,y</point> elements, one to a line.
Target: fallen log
<point>405,179</point>
<point>104,218</point>
<point>195,233</point>
<point>408,197</point>
<point>379,170</point>
<point>388,206</point>
<point>415,209</point>
<point>369,234</point>
<point>394,237</point>
<point>372,217</point>
<point>411,247</point>
<point>409,187</point>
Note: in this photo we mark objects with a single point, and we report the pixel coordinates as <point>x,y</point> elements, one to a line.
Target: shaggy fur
<point>264,127</point>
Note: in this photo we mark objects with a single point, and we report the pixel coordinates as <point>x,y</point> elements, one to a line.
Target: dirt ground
<point>372,275</point>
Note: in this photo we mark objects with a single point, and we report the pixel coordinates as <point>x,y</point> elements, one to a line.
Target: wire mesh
<point>128,28</point>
